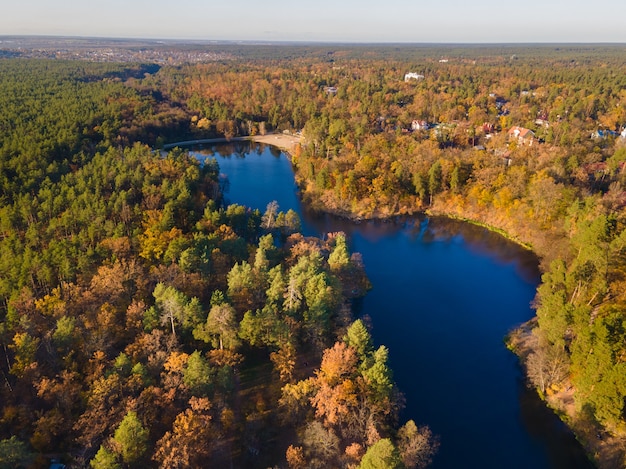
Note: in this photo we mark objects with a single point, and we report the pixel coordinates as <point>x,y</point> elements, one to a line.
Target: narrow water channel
<point>444,296</point>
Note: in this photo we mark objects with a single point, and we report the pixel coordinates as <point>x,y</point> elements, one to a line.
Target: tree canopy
<point>130,294</point>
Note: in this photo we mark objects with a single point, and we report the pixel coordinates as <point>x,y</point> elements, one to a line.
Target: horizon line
<point>306,42</point>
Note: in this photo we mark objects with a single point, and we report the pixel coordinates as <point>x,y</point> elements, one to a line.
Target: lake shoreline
<point>605,451</point>
<point>287,143</point>
<point>487,226</point>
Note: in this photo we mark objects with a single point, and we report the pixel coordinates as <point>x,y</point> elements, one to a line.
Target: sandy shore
<point>285,142</point>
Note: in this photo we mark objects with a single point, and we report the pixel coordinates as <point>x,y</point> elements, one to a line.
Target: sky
<point>369,21</point>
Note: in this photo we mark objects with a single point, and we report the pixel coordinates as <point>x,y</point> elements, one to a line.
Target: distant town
<point>110,50</point>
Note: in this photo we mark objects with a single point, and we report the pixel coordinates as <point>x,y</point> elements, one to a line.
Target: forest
<point>144,323</point>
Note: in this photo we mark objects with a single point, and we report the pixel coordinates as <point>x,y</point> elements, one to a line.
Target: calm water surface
<point>445,295</point>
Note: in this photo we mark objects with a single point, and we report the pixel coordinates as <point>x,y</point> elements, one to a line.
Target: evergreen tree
<point>130,439</point>
<point>382,455</point>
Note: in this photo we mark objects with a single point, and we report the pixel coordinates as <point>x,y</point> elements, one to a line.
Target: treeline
<point>143,324</point>
<point>582,316</point>
<point>370,95</point>
<point>56,115</point>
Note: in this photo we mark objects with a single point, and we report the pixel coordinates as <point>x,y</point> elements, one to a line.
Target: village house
<point>488,128</point>
<point>505,156</point>
<point>603,134</point>
<point>443,131</point>
<point>419,125</point>
<point>542,119</point>
<point>501,105</point>
<point>413,76</point>
<point>521,135</point>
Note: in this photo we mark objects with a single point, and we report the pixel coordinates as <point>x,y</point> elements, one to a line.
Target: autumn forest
<point>144,323</point>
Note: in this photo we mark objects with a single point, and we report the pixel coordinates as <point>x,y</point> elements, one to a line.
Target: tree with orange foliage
<point>189,443</point>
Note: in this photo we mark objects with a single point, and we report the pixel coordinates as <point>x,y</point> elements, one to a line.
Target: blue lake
<point>445,294</point>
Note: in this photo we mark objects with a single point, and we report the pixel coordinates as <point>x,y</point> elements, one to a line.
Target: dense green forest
<point>139,318</point>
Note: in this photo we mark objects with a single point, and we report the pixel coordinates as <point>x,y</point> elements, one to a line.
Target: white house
<point>419,125</point>
<point>413,76</point>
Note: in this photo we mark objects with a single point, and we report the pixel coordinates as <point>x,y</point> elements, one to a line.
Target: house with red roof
<point>521,135</point>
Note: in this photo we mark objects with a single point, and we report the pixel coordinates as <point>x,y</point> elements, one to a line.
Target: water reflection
<point>237,149</point>
<point>420,228</point>
<point>487,243</point>
<point>543,426</point>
